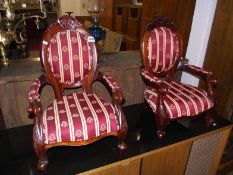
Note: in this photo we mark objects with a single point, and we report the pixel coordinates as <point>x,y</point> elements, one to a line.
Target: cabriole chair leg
<point>161,127</point>
<point>122,146</point>
<point>42,156</point>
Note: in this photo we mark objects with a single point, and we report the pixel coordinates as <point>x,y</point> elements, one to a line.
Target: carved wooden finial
<point>160,21</point>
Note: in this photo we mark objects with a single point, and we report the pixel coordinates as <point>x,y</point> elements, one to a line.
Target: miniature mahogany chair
<point>161,49</point>
<point>69,60</point>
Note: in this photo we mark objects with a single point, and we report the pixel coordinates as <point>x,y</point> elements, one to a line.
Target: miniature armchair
<point>69,60</point>
<point>161,49</point>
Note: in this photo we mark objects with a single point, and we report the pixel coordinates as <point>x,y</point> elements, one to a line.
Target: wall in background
<point>69,6</point>
<point>180,11</point>
<point>199,36</point>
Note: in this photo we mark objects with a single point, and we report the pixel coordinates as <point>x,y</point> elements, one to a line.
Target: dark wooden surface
<point>219,56</point>
<point>184,18</point>
<point>106,18</point>
<point>18,158</point>
<point>219,59</point>
<point>180,11</point>
<point>126,20</point>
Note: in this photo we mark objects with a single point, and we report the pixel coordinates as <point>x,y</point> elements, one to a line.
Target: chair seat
<point>78,117</point>
<point>181,100</point>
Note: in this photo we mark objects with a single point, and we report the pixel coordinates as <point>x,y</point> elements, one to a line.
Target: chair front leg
<point>161,117</point>
<point>211,84</point>
<point>209,117</point>
<point>122,123</point>
<point>117,98</point>
<point>122,133</point>
<point>38,142</point>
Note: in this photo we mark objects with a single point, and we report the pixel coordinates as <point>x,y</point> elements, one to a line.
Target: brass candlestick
<point>8,32</point>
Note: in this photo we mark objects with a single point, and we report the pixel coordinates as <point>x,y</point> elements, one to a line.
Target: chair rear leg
<point>122,145</point>
<point>209,118</point>
<point>145,104</point>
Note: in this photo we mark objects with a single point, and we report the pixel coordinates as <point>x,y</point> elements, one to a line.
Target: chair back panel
<point>163,49</point>
<point>69,57</point>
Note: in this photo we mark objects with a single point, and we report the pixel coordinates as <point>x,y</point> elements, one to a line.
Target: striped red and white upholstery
<point>199,70</point>
<point>111,82</point>
<point>78,117</point>
<point>69,56</point>
<point>181,100</point>
<point>163,49</point>
<point>148,76</point>
<point>34,91</point>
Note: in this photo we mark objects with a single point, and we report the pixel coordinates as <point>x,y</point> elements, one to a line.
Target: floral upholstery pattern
<point>65,50</point>
<point>111,82</point>
<point>34,91</point>
<point>78,117</point>
<point>163,49</point>
<point>181,99</point>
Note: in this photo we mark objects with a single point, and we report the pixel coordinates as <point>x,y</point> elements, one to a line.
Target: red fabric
<point>111,82</point>
<point>147,75</point>
<point>200,70</point>
<point>163,49</point>
<point>78,117</point>
<point>34,90</point>
<point>69,57</point>
<point>181,100</point>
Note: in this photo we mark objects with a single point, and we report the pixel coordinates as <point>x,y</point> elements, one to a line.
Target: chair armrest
<point>117,97</point>
<point>153,81</point>
<point>111,82</point>
<point>204,74</point>
<point>112,86</point>
<point>34,94</point>
<point>34,91</point>
<point>197,71</point>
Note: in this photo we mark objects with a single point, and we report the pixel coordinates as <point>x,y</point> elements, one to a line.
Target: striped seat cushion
<point>181,100</point>
<point>78,117</point>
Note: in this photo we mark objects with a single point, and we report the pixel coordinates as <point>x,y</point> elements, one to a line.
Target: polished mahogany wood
<point>35,108</point>
<point>180,11</point>
<point>219,58</point>
<point>161,115</point>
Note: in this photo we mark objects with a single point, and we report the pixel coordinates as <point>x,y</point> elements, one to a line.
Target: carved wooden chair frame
<point>157,82</point>
<point>35,108</point>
